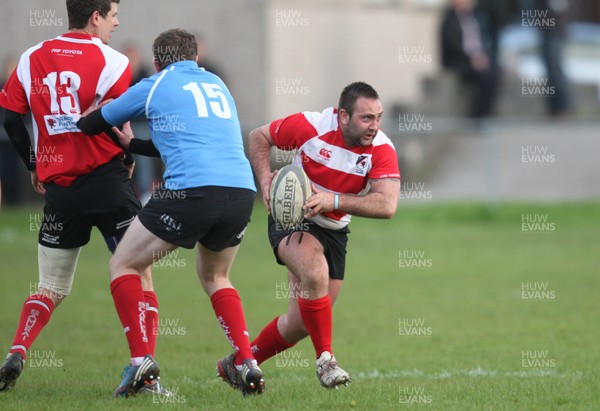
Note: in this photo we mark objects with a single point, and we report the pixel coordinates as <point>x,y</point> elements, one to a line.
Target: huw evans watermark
<point>174,397</point>
<point>291,86</point>
<point>414,259</point>
<point>414,55</point>
<point>536,359</point>
<point>169,327</point>
<point>537,291</point>
<point>537,155</point>
<point>410,190</point>
<point>414,395</point>
<point>44,18</point>
<point>291,18</point>
<point>537,223</point>
<point>291,359</point>
<point>45,222</point>
<point>168,259</point>
<point>537,87</point>
<point>285,290</point>
<point>44,359</point>
<point>414,123</point>
<point>538,18</point>
<point>413,327</point>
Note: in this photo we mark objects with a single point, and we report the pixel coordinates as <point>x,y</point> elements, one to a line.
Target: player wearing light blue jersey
<point>206,202</point>
<point>194,126</point>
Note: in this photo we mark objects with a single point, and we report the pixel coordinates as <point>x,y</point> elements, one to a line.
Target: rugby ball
<point>289,191</point>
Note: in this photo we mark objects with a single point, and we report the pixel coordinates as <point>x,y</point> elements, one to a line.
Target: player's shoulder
<point>186,69</point>
<point>324,121</point>
<point>35,48</point>
<point>205,73</point>
<point>82,44</point>
<point>382,141</point>
<point>110,53</point>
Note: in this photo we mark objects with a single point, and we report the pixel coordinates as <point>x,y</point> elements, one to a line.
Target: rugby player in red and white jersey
<point>84,180</point>
<point>353,168</point>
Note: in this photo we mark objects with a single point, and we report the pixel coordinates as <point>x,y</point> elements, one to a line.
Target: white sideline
<point>473,372</point>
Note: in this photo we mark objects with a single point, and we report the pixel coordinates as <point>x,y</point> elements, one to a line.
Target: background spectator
<point>467,51</point>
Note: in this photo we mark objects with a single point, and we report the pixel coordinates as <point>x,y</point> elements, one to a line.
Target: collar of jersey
<point>73,35</point>
<point>185,63</point>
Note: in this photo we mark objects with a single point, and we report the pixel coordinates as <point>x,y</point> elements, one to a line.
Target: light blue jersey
<point>193,123</point>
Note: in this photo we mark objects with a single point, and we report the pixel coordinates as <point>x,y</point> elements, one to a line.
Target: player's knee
<point>316,279</point>
<point>115,265</point>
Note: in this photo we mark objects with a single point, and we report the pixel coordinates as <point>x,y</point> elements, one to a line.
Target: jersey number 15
<point>219,108</point>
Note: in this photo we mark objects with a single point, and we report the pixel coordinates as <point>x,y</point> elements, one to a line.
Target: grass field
<point>446,307</point>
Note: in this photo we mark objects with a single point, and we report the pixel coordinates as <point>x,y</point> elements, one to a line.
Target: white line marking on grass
<point>473,372</point>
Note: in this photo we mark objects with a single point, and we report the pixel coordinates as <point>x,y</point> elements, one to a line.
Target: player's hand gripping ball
<point>289,191</point>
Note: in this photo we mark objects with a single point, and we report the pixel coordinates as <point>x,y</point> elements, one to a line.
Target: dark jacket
<point>451,40</point>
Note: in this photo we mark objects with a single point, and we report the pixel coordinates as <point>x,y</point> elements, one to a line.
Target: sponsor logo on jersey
<point>361,164</point>
<point>60,123</point>
<point>70,52</point>
<point>325,154</point>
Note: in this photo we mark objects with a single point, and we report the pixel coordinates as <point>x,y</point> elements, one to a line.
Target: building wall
<point>275,56</point>
<point>317,47</point>
<point>232,30</point>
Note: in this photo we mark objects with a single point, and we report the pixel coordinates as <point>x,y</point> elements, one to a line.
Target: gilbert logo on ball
<point>289,191</point>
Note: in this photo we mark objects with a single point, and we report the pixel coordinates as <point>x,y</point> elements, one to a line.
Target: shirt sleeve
<point>19,137</point>
<point>120,86</point>
<point>143,147</point>
<point>291,132</point>
<point>130,105</point>
<point>13,97</point>
<point>385,163</point>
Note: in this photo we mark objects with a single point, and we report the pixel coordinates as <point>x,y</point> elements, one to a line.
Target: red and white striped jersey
<point>57,80</point>
<point>331,166</point>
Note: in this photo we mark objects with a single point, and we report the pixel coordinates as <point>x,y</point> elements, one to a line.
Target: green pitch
<point>446,307</point>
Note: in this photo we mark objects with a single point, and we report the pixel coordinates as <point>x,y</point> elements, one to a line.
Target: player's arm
<point>259,153</point>
<point>135,145</point>
<point>95,123</point>
<point>380,202</point>
<point>144,148</point>
<point>129,105</point>
<point>14,124</point>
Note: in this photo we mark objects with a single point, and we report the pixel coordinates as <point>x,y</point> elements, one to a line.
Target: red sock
<point>228,307</point>
<point>131,307</point>
<point>151,319</point>
<point>269,342</point>
<point>35,315</point>
<point>317,318</point>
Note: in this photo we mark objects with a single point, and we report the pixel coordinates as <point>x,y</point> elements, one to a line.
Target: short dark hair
<point>352,92</point>
<point>174,45</point>
<point>79,11</point>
